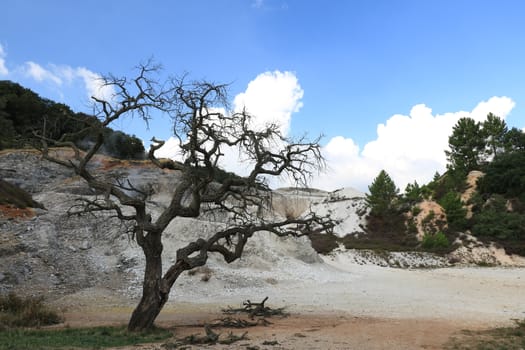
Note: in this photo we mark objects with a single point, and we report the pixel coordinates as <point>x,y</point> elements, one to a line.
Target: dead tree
<point>205,128</point>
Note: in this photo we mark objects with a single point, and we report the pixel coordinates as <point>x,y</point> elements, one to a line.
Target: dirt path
<point>297,331</point>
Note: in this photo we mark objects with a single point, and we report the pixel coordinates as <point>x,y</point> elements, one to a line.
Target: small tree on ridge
<point>383,193</point>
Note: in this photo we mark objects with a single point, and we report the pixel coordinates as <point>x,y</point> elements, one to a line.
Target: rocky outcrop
<point>345,206</point>
<point>472,251</point>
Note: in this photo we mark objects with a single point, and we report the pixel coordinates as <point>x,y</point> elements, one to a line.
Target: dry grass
<point>504,338</point>
<point>17,312</point>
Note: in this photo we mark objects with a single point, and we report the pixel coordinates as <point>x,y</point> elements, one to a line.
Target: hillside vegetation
<point>482,193</point>
<point>23,114</point>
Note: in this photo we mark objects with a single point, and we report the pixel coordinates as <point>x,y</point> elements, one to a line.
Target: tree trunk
<point>153,295</point>
<point>144,315</point>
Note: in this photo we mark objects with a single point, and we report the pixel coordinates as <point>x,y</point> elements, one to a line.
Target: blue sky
<point>359,72</point>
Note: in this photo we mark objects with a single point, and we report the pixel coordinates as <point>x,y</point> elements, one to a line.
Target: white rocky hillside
<point>346,206</point>
<point>45,251</point>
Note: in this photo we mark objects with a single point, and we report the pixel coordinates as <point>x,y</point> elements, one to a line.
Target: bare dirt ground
<point>297,331</point>
<point>376,308</point>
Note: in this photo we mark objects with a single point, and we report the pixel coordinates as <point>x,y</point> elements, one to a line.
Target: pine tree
<point>494,130</point>
<point>466,146</point>
<point>383,193</point>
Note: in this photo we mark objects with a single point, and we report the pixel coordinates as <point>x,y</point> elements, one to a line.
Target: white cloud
<point>409,147</point>
<point>3,68</point>
<point>272,97</point>
<point>40,74</point>
<point>500,106</point>
<point>95,85</point>
<point>59,74</point>
<point>67,73</point>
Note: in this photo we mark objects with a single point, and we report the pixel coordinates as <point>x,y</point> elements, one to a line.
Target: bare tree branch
<point>205,127</point>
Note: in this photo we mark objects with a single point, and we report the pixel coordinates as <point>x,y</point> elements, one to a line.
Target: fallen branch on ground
<point>256,309</point>
<point>231,322</point>
<point>210,338</point>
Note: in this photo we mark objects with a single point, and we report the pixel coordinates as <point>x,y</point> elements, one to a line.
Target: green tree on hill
<point>466,145</point>
<point>383,194</point>
<point>514,140</point>
<point>413,193</point>
<point>505,176</point>
<point>494,130</point>
<point>456,212</point>
<point>23,112</point>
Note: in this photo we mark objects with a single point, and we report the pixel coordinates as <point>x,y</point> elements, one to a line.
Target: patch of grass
<point>90,338</point>
<point>16,312</point>
<point>504,338</point>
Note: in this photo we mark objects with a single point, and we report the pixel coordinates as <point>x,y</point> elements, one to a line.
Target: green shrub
<point>428,218</point>
<point>413,194</point>
<point>499,224</point>
<point>505,176</point>
<point>415,210</point>
<point>456,213</point>
<point>25,312</point>
<point>435,241</point>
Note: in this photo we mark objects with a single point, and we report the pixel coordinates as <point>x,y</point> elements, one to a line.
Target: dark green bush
<point>452,181</point>
<point>435,241</point>
<point>413,194</point>
<point>456,213</point>
<point>499,224</point>
<point>505,175</point>
<point>415,210</point>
